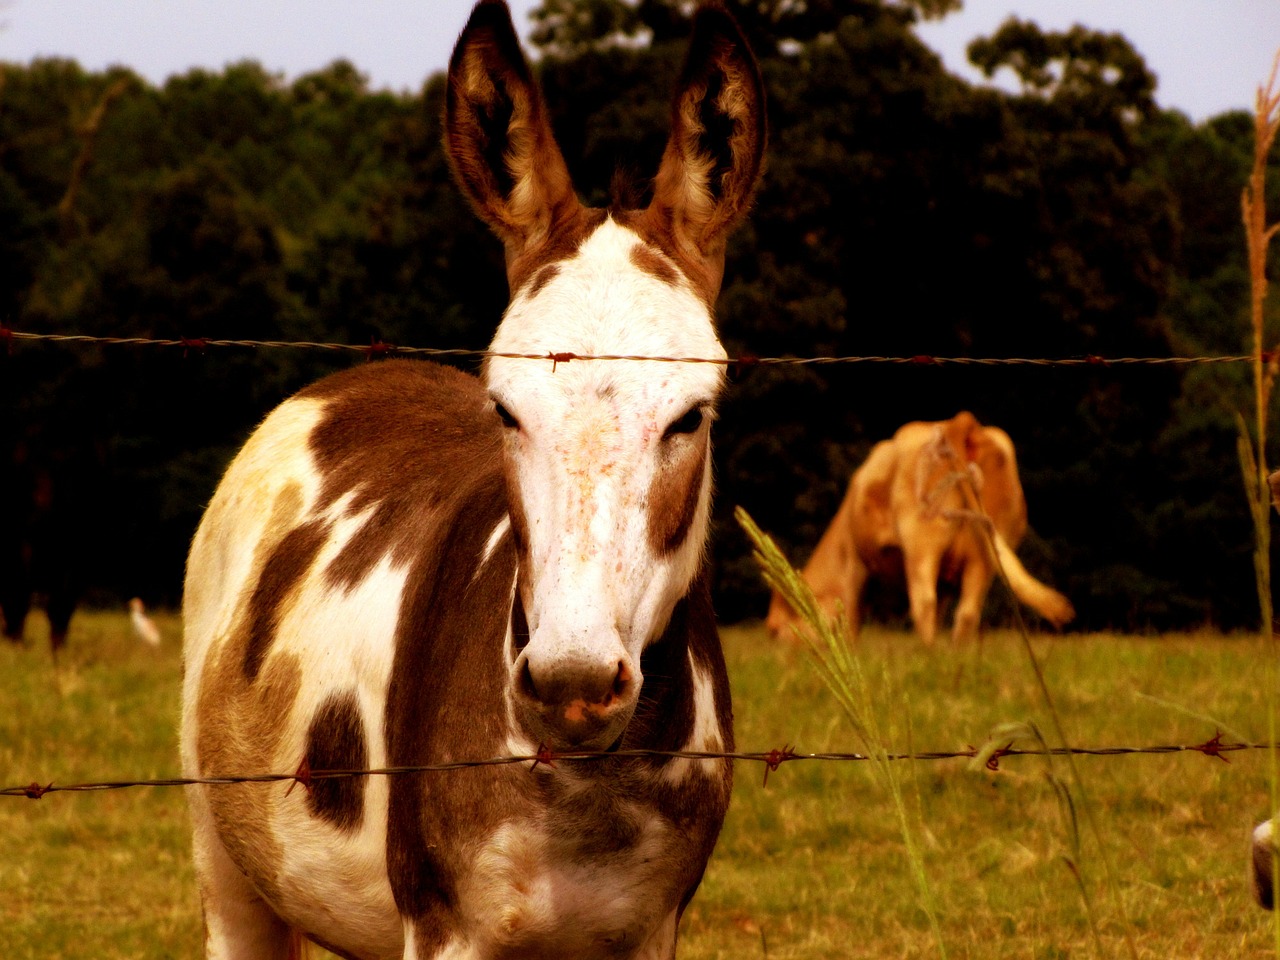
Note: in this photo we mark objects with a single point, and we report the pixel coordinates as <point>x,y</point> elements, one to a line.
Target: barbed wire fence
<point>989,756</point>
<point>377,349</point>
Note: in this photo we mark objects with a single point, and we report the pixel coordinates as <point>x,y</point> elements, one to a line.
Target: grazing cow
<point>407,565</point>
<point>908,515</point>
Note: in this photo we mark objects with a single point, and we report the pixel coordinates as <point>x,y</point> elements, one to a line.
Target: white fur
<point>706,736</point>
<point>528,887</point>
<point>590,446</point>
<point>495,538</point>
<point>329,879</point>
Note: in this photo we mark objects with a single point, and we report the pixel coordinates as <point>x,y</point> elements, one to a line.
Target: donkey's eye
<point>688,423</point>
<point>508,421</point>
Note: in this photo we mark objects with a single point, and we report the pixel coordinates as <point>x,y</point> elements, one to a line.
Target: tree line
<point>904,212</point>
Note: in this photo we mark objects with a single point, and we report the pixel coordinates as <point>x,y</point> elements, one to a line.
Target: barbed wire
<point>380,348</point>
<point>772,760</point>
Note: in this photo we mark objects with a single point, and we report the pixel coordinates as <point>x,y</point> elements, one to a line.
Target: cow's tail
<point>1040,597</point>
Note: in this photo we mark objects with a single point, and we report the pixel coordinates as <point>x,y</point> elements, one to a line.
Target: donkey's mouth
<point>574,727</point>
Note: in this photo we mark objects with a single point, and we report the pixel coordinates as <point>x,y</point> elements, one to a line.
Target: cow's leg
<point>853,606</point>
<point>974,584</point>
<point>238,923</point>
<point>60,606</point>
<point>15,593</point>
<point>14,606</point>
<point>922,588</point>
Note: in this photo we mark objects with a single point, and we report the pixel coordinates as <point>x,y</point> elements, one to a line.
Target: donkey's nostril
<point>574,700</point>
<point>622,679</point>
<point>527,686</point>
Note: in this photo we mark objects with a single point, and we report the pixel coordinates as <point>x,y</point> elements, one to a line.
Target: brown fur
<point>505,158</point>
<point>241,730</point>
<point>417,452</point>
<point>909,513</point>
<point>675,496</point>
<point>655,264</point>
<point>540,279</point>
<point>335,741</point>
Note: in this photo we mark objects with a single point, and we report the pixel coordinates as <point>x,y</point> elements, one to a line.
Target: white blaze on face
<point>590,455</point>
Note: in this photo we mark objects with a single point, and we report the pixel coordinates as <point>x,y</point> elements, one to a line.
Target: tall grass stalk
<point>841,670</point>
<point>1266,365</point>
<point>976,515</point>
<point>1004,736</point>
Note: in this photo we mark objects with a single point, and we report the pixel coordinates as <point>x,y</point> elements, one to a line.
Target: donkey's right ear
<point>497,137</point>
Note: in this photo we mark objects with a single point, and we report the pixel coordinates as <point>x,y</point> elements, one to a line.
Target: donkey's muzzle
<point>575,701</point>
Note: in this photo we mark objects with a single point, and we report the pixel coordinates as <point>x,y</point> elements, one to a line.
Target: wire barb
<point>776,758</point>
<point>301,776</point>
<point>1213,747</point>
<point>545,756</point>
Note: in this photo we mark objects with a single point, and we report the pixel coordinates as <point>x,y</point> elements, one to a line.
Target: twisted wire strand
<point>378,348</point>
<point>772,759</point>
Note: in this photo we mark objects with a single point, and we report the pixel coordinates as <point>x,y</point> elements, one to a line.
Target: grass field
<point>810,865</point>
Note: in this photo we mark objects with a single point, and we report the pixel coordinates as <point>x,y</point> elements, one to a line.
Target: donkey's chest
<point>607,891</point>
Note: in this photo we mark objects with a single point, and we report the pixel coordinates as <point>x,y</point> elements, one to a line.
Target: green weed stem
<point>1258,236</point>
<point>841,670</point>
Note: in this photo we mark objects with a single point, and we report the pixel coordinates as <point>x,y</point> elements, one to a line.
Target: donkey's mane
<point>628,191</point>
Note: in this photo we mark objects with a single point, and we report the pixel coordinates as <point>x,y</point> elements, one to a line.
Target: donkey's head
<point>608,463</point>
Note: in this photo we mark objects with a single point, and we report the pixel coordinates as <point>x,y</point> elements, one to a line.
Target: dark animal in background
<point>906,516</point>
<point>407,565</point>
<point>42,537</point>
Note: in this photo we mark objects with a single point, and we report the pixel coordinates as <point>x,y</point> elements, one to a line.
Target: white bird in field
<point>1263,872</point>
<point>143,626</point>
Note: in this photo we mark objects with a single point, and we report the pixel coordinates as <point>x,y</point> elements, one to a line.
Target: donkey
<point>407,565</point>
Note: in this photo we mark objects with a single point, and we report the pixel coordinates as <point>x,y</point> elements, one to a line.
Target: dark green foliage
<point>903,213</point>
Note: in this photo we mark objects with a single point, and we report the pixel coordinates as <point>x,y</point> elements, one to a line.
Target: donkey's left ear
<point>497,136</point>
<point>714,156</point>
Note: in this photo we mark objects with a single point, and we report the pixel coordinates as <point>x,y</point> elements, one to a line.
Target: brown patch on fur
<point>515,509</point>
<point>386,431</point>
<point>241,717</point>
<point>559,245</point>
<point>288,563</point>
<point>676,492</point>
<point>240,731</point>
<point>650,261</point>
<point>540,279</point>
<point>664,720</point>
<point>445,701</point>
<point>418,448</point>
<point>335,741</point>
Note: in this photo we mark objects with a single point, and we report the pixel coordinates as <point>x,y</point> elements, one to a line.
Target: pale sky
<point>1209,55</point>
